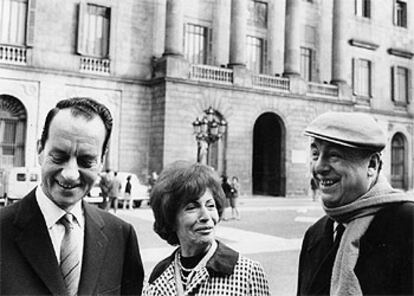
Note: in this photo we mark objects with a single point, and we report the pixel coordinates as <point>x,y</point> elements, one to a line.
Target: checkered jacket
<point>226,273</point>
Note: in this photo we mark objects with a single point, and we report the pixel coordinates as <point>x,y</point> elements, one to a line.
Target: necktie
<point>69,256</point>
<point>339,232</point>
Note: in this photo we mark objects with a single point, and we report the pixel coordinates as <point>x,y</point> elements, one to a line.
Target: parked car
<point>16,182</point>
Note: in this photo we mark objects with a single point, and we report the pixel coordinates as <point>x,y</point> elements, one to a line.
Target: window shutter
<point>409,87</point>
<point>30,22</point>
<point>368,2</point>
<point>371,79</point>
<point>81,46</point>
<point>209,46</point>
<point>354,76</point>
<point>393,81</point>
<point>265,62</point>
<point>113,12</point>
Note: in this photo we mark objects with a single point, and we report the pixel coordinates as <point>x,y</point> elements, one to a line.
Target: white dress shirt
<point>52,214</point>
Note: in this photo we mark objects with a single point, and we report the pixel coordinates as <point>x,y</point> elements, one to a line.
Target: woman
<point>187,202</point>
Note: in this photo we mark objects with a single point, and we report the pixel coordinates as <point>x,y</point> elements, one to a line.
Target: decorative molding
<point>401,53</point>
<point>363,44</point>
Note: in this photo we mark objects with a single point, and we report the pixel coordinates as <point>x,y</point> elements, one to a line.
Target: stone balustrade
<point>272,82</point>
<point>95,65</point>
<point>319,89</point>
<point>211,74</point>
<point>13,54</point>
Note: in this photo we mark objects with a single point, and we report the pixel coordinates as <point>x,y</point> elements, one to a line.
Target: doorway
<point>269,174</point>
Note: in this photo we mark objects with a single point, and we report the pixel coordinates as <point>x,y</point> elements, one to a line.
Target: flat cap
<point>356,130</point>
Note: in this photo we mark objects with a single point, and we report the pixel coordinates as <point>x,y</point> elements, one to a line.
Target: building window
<point>362,77</point>
<point>96,37</point>
<point>257,14</point>
<point>398,162</point>
<point>306,63</point>
<point>363,8</point>
<point>400,13</point>
<point>13,14</point>
<point>399,84</point>
<point>255,54</point>
<point>12,132</point>
<point>197,43</point>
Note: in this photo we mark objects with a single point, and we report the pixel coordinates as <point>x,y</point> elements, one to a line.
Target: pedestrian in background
<point>115,187</point>
<point>187,202</point>
<point>127,194</point>
<point>104,185</point>
<point>234,194</point>
<point>364,243</point>
<point>227,193</point>
<point>54,243</point>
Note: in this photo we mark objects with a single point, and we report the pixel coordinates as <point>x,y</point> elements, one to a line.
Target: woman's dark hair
<point>180,183</point>
<point>86,107</point>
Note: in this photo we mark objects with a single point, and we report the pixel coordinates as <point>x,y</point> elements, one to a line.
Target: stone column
<point>238,26</point>
<point>174,28</point>
<point>221,32</point>
<point>276,30</point>
<point>293,29</point>
<point>339,42</point>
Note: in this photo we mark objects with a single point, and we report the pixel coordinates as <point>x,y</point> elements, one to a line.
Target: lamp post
<point>207,131</point>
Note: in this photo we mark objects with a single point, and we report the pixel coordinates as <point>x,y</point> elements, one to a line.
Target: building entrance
<point>269,156</point>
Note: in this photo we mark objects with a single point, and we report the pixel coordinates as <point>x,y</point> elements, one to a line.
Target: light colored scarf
<point>358,216</point>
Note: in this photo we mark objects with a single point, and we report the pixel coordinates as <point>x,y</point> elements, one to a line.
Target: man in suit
<point>54,243</point>
<point>364,243</point>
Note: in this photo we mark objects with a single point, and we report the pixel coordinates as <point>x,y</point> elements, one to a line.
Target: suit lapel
<point>326,254</point>
<point>35,244</point>
<point>94,250</point>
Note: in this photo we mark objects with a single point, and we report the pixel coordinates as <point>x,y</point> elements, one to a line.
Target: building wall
<point>154,102</point>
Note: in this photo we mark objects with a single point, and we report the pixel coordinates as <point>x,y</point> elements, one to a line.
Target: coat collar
<point>221,264</point>
<point>36,246</point>
<point>94,251</point>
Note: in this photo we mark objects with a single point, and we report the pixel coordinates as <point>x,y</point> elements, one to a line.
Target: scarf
<point>358,216</point>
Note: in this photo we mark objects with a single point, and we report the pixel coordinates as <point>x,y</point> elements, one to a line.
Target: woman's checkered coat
<point>226,273</point>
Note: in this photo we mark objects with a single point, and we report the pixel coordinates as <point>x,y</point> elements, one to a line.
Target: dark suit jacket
<point>28,265</point>
<point>385,263</point>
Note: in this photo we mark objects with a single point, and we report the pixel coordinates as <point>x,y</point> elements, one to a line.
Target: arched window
<point>12,132</point>
<point>398,162</point>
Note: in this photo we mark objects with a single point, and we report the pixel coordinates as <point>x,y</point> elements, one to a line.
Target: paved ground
<point>270,231</point>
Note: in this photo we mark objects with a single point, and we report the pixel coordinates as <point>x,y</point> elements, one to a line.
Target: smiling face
<point>342,174</point>
<point>196,223</point>
<point>71,157</point>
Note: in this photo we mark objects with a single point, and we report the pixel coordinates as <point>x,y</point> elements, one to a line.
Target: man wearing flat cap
<point>364,243</point>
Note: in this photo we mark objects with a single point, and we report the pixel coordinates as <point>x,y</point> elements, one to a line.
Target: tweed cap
<point>356,130</point>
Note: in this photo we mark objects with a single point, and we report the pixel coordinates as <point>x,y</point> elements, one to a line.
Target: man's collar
<point>52,213</point>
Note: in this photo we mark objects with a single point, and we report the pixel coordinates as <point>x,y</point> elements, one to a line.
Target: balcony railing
<point>13,54</point>
<point>320,89</point>
<point>211,74</point>
<point>95,65</point>
<point>271,82</point>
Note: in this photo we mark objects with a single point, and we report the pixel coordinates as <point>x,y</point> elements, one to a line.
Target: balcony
<point>270,82</point>
<point>213,74</point>
<point>13,54</point>
<point>95,65</point>
<point>325,90</point>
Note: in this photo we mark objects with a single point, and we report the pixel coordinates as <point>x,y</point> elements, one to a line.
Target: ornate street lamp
<point>207,131</point>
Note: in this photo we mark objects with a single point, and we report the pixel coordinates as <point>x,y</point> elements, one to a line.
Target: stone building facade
<point>266,67</point>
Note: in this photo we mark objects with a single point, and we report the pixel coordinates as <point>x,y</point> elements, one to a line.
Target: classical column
<point>221,32</point>
<point>174,28</point>
<point>293,29</point>
<point>339,41</point>
<point>238,26</point>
